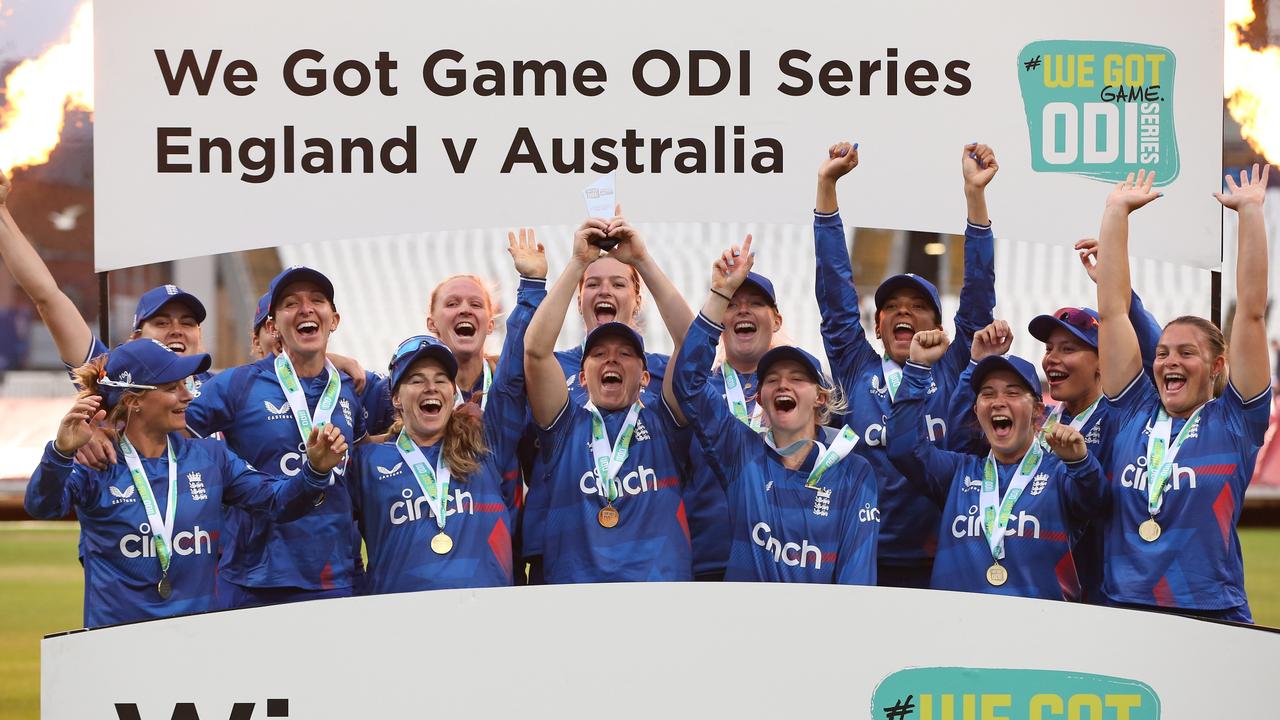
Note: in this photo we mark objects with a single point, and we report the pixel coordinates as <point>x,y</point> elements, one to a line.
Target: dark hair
<point>1215,343</point>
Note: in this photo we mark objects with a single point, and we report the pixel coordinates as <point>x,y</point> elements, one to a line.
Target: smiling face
<point>1007,412</point>
<point>790,397</point>
<point>609,292</point>
<point>1072,368</point>
<point>175,326</point>
<point>1185,368</point>
<point>613,373</point>
<point>303,318</point>
<point>905,312</point>
<point>424,398</point>
<point>750,322</point>
<point>461,315</point>
<point>163,409</point>
<point>262,343</point>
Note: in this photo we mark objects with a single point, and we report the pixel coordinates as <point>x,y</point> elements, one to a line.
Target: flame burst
<point>1252,83</point>
<point>40,91</point>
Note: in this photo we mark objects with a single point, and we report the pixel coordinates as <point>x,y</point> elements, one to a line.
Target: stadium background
<point>383,284</point>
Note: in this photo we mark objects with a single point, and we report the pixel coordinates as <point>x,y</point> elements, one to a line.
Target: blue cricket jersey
<point>395,517</point>
<point>704,498</point>
<point>534,512</point>
<point>117,549</point>
<point>1060,499</point>
<point>782,531</point>
<point>316,552</point>
<point>1196,562</point>
<point>909,522</point>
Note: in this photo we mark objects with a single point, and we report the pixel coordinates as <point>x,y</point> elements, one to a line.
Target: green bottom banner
<point>958,693</point>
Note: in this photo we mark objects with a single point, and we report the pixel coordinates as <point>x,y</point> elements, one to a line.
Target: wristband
<point>726,297</point>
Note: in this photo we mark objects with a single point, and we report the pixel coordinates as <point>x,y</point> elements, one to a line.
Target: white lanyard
<point>738,402</point>
<point>161,528</point>
<point>992,523</point>
<point>892,375</point>
<point>484,388</point>
<point>287,377</point>
<point>608,460</point>
<point>435,485</point>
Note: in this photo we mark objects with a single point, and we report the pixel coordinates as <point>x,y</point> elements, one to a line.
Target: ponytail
<point>86,378</point>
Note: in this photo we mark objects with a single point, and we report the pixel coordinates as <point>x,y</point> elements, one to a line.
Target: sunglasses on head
<point>410,346</point>
<point>1076,318</point>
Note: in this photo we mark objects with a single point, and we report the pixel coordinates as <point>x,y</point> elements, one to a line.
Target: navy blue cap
<point>293,274</point>
<point>264,309</point>
<point>1023,369</point>
<point>416,348</point>
<point>155,298</point>
<point>615,329</point>
<point>791,352</point>
<point>912,281</point>
<point>1081,322</point>
<point>143,364</point>
<point>764,285</point>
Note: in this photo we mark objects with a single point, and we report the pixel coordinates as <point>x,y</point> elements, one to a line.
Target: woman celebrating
<point>1009,517</point>
<point>150,523</point>
<point>435,502</point>
<point>801,507</point>
<point>611,468</point>
<point>1183,448</point>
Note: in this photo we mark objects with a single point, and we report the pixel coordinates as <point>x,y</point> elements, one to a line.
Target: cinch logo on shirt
<point>868,514</point>
<point>877,434</point>
<point>187,542</point>
<point>1022,525</point>
<point>640,480</point>
<point>1135,475</point>
<point>412,509</point>
<point>790,554</point>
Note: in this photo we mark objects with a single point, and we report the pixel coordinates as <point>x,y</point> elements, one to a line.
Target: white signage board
<point>239,124</point>
<point>650,650</point>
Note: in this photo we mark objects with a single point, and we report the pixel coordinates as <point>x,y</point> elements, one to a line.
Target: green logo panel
<point>1099,109</point>
<point>956,693</point>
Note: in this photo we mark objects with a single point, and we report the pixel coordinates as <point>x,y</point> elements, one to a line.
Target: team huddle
<point>927,459</point>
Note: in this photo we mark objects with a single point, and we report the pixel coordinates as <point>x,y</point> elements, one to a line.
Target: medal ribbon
<point>161,528</point>
<point>892,375</point>
<point>995,526</point>
<point>828,457</point>
<point>1161,455</point>
<point>608,461</point>
<point>434,484</point>
<point>738,402</point>
<point>484,389</point>
<point>292,388</point>
<point>1077,422</point>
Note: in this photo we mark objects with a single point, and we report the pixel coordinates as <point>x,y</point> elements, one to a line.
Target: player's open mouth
<point>903,332</point>
<point>431,407</point>
<point>744,328</point>
<point>611,377</point>
<point>784,403</point>
<point>178,347</point>
<point>464,328</point>
<point>308,328</point>
<point>1174,381</point>
<point>605,311</point>
<point>1056,376</point>
<point>1002,425</point>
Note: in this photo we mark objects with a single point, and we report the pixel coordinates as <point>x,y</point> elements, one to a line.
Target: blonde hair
<point>480,282</point>
<point>463,445</point>
<point>834,402</point>
<point>86,378</point>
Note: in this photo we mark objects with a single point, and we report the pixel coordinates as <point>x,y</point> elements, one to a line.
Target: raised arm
<point>50,493</point>
<point>504,415</point>
<point>929,469</point>
<point>1086,493</point>
<point>978,167</point>
<point>1118,350</point>
<point>1144,323</point>
<point>962,425</point>
<point>71,334</point>
<point>842,334</point>
<point>547,391</point>
<point>1249,372</point>
<point>633,251</point>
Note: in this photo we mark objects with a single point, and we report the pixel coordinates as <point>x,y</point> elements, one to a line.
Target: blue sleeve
<point>928,469</point>
<point>54,487</point>
<point>963,434</point>
<point>719,432</point>
<point>1085,493</point>
<point>376,403</point>
<point>215,408</point>
<point>1247,417</point>
<point>857,555</point>
<point>353,479</point>
<point>96,348</point>
<point>504,415</point>
<point>977,299</point>
<point>1137,397</point>
<point>848,349</point>
<point>1148,331</point>
<point>281,498</point>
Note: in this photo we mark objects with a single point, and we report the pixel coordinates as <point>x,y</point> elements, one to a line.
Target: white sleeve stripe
<point>1132,383</point>
<point>833,213</point>
<point>1265,393</point>
<point>558,415</point>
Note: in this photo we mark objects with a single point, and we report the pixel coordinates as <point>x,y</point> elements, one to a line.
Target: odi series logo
<point>1099,109</point>
<point>951,693</point>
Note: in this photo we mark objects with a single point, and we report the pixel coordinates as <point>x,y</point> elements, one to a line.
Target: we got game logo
<point>1099,109</point>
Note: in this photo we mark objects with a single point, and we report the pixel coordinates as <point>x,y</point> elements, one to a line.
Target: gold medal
<point>608,516</point>
<point>997,575</point>
<point>441,544</point>
<point>164,587</point>
<point>1149,530</point>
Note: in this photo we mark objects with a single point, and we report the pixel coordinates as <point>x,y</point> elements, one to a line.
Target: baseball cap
<point>294,274</point>
<point>912,281</point>
<point>764,285</point>
<point>615,329</point>
<point>1081,322</point>
<point>1023,369</point>
<point>791,352</point>
<point>157,297</point>
<point>144,364</point>
<point>415,348</point>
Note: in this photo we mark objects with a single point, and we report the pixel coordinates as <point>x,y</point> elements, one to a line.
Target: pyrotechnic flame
<point>1252,86</point>
<point>40,91</point>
